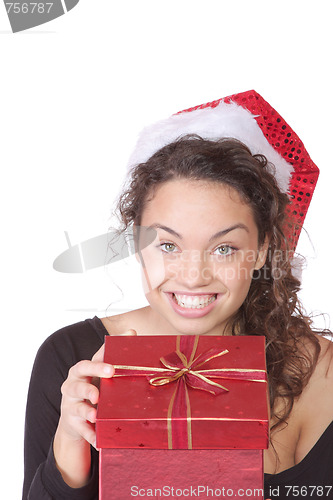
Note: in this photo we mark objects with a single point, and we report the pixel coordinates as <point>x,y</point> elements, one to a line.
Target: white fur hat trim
<point>225,120</point>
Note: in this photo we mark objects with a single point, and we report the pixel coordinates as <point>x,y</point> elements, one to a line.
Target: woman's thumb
<point>130,332</point>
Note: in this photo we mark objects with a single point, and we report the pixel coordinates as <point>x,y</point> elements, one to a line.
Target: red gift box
<point>182,413</point>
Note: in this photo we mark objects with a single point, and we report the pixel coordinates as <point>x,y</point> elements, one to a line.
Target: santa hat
<point>250,119</point>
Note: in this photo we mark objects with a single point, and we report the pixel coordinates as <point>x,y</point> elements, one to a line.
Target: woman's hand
<point>76,428</point>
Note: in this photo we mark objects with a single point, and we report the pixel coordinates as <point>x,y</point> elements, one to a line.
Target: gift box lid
<point>208,392</point>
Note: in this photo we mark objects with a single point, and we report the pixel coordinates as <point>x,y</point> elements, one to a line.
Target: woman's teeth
<point>194,301</point>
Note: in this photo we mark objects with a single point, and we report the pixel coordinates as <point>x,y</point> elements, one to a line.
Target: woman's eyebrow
<point>165,228</point>
<point>223,232</point>
<point>228,230</point>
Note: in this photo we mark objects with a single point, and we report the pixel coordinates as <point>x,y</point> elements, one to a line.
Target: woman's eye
<point>168,247</point>
<point>225,250</point>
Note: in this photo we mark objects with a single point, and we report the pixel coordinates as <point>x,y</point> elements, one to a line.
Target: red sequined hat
<point>250,119</point>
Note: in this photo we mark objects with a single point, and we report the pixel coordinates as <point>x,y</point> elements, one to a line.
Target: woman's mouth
<point>192,306</point>
<point>194,301</point>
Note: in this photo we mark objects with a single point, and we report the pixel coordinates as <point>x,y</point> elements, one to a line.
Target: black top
<point>63,349</point>
<point>310,478</point>
<point>42,479</point>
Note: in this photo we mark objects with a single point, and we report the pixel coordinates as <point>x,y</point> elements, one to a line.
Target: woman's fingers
<point>79,390</point>
<point>80,394</point>
<point>87,431</point>
<point>85,411</point>
<point>84,369</point>
<point>129,332</point>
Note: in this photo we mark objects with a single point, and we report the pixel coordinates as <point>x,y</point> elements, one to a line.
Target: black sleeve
<point>48,484</point>
<point>42,479</point>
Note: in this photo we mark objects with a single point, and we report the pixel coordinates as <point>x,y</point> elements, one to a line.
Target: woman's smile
<point>195,301</point>
<point>192,306</point>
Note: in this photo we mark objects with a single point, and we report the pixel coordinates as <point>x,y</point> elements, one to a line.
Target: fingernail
<point>92,417</point>
<point>92,397</point>
<point>130,332</point>
<point>108,370</point>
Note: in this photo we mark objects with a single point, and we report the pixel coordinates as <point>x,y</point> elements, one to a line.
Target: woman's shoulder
<point>321,379</point>
<point>70,344</point>
<point>79,332</point>
<point>323,372</point>
<point>319,349</point>
<point>326,345</point>
<point>315,406</point>
<point>312,411</point>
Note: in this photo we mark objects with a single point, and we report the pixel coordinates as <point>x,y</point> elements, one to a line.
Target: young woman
<point>220,264</point>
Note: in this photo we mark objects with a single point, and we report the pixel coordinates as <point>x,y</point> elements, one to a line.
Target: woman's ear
<point>262,254</point>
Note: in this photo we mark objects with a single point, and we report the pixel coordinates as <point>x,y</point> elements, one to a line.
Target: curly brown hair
<point>272,307</point>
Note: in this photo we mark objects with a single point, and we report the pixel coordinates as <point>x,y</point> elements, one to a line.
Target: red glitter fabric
<point>287,143</point>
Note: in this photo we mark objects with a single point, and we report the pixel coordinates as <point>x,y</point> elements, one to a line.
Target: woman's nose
<point>193,270</point>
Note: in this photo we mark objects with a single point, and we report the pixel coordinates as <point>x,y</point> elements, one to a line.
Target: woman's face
<point>198,270</point>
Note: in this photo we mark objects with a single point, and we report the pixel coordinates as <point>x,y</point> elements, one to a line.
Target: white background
<point>73,95</point>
